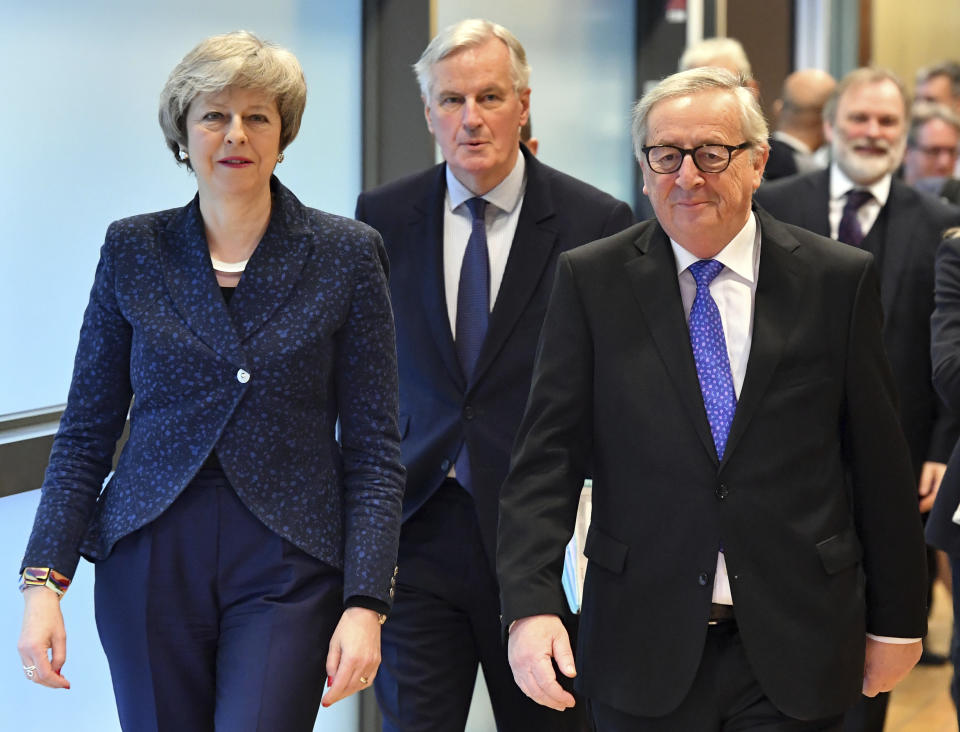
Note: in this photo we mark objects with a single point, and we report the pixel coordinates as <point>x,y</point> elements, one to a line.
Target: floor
<point>921,703</point>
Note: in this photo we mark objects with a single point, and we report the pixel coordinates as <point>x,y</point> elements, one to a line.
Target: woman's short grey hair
<point>707,78</point>
<point>469,34</point>
<point>233,59</point>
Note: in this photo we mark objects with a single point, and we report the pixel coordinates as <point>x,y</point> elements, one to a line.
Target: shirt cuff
<point>895,641</point>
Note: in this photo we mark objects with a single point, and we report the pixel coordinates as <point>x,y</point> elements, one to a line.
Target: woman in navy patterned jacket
<point>238,524</point>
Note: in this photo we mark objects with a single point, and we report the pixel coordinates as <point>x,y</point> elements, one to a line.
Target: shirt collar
<point>840,185</point>
<point>738,256</point>
<point>505,195</point>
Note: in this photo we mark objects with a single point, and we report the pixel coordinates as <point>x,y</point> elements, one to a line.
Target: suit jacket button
<point>445,466</point>
<point>703,579</point>
<point>243,376</point>
<point>468,412</point>
<point>722,491</point>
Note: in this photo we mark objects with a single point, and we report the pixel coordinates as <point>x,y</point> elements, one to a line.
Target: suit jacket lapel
<point>653,278</point>
<point>779,291</point>
<point>426,227</point>
<point>900,221</point>
<point>276,265</point>
<point>533,243</point>
<point>816,215</point>
<point>192,284</point>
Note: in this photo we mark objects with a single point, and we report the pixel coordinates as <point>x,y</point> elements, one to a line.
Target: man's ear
<point>426,114</point>
<point>827,131</point>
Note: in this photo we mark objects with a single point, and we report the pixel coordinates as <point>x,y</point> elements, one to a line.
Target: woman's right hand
<point>43,630</point>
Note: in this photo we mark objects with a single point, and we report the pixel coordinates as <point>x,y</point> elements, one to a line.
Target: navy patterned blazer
<point>307,338</point>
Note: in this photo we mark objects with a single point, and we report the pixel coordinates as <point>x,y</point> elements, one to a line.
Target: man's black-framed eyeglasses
<point>713,158</point>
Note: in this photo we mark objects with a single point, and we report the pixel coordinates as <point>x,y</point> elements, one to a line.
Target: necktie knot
<point>856,197</point>
<point>478,208</point>
<point>704,271</point>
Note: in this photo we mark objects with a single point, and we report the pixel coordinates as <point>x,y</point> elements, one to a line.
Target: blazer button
<point>468,412</point>
<point>703,579</point>
<point>722,491</point>
<point>242,376</point>
<point>445,466</point>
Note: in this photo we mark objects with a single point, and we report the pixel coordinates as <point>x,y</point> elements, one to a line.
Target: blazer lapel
<point>653,279</point>
<point>815,204</point>
<point>426,227</point>
<point>533,243</point>
<point>193,286</point>
<point>276,265</point>
<point>779,291</point>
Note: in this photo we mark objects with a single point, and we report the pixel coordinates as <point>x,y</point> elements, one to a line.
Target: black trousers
<point>725,697</point>
<point>445,621</point>
<point>210,621</point>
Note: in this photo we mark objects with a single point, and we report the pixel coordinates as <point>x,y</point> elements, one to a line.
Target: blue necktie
<point>473,311</point>
<point>710,354</point>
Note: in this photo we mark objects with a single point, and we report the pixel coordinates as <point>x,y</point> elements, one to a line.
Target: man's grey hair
<point>237,59</point>
<point>924,112</point>
<point>859,77</point>
<point>695,81</point>
<point>471,33</point>
<point>710,49</point>
<point>950,69</point>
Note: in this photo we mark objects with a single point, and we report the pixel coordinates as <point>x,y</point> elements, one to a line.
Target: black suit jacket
<point>438,408</point>
<point>813,502</point>
<point>904,241</point>
<point>941,531</point>
<point>781,162</point>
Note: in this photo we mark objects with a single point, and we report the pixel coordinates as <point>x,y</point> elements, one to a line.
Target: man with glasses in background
<point>721,377</point>
<point>933,142</point>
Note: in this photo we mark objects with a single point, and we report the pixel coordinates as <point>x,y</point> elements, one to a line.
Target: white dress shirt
<point>502,214</point>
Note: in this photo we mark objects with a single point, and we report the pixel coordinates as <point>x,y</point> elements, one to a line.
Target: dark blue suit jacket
<point>438,408</point>
<point>307,338</point>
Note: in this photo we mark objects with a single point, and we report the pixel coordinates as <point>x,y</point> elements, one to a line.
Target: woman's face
<point>233,139</point>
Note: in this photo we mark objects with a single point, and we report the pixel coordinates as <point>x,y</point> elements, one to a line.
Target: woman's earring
<point>280,158</point>
<point>183,154</point>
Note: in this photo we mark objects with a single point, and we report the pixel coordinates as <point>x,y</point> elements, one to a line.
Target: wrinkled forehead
<point>878,95</point>
<point>707,116</point>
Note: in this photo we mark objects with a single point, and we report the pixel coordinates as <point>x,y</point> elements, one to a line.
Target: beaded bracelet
<point>44,577</point>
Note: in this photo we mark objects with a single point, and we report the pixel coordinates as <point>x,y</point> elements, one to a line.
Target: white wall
<point>82,147</point>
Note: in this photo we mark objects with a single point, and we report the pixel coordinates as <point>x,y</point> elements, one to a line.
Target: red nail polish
<point>329,681</point>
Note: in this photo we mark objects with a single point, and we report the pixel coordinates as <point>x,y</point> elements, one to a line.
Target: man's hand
<point>930,476</point>
<point>535,641</point>
<point>887,663</point>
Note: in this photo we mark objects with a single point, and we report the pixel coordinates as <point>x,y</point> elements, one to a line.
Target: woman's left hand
<point>354,655</point>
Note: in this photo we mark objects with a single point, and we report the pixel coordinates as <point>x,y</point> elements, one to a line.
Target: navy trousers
<point>210,621</point>
<point>445,621</point>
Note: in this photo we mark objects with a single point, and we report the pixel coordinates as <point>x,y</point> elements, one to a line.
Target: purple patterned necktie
<point>710,354</point>
<point>473,311</point>
<point>849,230</point>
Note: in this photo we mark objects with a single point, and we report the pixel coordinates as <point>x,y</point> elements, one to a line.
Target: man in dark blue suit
<point>473,245</point>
